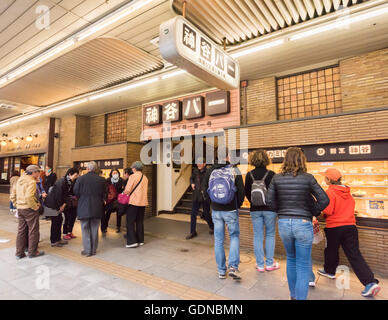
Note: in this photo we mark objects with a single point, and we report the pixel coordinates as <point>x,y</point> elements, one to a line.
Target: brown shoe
<point>36,254</point>
<point>63,242</point>
<point>86,254</point>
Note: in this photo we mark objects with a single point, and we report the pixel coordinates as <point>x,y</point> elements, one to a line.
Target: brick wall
<point>364,81</point>
<point>373,244</point>
<point>353,127</point>
<point>82,133</point>
<point>67,133</point>
<point>134,124</point>
<point>260,99</point>
<point>97,130</point>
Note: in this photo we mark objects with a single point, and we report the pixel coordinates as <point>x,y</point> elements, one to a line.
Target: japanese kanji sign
<point>193,107</point>
<point>217,103</point>
<point>347,151</point>
<point>153,115</point>
<point>172,111</point>
<point>185,46</point>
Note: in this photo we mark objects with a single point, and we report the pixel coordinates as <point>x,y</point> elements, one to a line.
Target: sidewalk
<point>166,267</point>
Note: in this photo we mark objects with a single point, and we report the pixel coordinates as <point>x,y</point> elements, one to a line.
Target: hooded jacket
<point>23,195</point>
<point>340,211</point>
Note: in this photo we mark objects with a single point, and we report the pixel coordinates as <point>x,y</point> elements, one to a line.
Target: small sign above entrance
<point>185,46</point>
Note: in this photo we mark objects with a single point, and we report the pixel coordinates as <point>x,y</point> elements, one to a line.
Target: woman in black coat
<point>296,196</point>
<point>61,198</point>
<point>115,185</point>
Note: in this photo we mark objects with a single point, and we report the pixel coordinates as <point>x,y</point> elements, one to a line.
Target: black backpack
<point>259,191</point>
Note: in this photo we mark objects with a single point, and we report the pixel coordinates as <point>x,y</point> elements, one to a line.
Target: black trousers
<point>111,207</point>
<point>347,238</point>
<point>206,215</point>
<point>56,226</point>
<point>70,217</point>
<point>135,224</point>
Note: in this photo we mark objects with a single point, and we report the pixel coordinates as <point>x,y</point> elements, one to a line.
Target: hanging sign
<point>188,48</point>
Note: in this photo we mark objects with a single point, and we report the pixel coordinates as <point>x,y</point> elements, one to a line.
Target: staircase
<point>185,203</point>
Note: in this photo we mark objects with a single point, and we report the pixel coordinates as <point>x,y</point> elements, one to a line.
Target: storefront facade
<point>340,121</point>
<point>26,145</point>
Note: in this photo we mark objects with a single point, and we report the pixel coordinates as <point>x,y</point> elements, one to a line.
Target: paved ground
<point>166,267</point>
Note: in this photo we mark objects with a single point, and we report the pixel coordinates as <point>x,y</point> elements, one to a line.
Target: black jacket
<point>119,186</point>
<point>198,178</point>
<point>258,174</point>
<point>91,190</point>
<point>296,197</point>
<point>240,190</point>
<point>49,181</point>
<point>61,194</point>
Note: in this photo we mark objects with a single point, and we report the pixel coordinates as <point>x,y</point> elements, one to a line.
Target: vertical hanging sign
<point>185,46</point>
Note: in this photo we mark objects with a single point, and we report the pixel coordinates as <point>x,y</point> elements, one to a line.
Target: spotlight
<point>29,138</point>
<point>3,143</point>
<point>15,140</point>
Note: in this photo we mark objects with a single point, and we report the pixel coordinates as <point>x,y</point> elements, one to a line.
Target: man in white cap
<point>25,196</point>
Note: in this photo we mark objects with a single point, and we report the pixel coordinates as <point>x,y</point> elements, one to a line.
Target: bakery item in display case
<point>359,193</point>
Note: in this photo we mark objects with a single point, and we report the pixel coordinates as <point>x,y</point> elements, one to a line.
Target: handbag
<point>318,234</point>
<point>124,198</point>
<point>48,212</point>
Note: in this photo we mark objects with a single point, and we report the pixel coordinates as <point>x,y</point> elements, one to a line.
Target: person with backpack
<point>257,182</point>
<point>225,189</point>
<point>296,196</point>
<point>341,231</point>
<point>115,187</point>
<point>59,199</point>
<point>196,181</point>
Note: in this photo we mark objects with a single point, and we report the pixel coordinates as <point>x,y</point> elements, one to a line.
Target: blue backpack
<point>222,188</point>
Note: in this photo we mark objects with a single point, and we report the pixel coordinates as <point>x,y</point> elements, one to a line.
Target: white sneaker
<point>312,284</point>
<point>132,245</point>
<point>141,244</point>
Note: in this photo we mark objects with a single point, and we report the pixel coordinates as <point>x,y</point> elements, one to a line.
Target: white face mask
<point>115,176</point>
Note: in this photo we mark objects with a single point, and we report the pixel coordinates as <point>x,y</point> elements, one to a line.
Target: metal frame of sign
<point>200,56</point>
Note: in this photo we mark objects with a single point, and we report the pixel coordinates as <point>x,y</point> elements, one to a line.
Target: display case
<point>368,179</point>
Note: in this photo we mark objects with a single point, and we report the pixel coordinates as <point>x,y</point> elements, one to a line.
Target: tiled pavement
<point>166,267</point>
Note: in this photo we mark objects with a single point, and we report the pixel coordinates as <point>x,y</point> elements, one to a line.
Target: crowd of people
<point>90,198</point>
<point>292,199</point>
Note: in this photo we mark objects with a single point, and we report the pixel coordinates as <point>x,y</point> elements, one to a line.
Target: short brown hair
<point>294,161</point>
<point>259,158</point>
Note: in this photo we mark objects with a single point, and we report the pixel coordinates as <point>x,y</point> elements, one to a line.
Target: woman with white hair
<point>137,189</point>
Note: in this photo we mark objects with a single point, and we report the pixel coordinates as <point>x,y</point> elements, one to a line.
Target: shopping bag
<point>123,198</point>
<point>318,234</point>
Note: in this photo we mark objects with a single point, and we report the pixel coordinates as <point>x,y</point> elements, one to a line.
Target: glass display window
<point>368,181</point>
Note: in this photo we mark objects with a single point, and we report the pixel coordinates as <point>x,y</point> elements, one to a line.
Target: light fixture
<point>88,31</point>
<point>29,138</point>
<point>15,140</point>
<point>173,74</point>
<point>95,96</point>
<point>258,48</point>
<point>3,143</point>
<point>340,23</point>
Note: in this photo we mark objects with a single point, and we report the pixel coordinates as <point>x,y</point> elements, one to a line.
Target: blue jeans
<point>230,218</point>
<point>297,236</point>
<point>11,206</point>
<point>259,219</point>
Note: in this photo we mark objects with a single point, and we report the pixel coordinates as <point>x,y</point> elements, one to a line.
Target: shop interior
<point>20,163</point>
<point>368,181</point>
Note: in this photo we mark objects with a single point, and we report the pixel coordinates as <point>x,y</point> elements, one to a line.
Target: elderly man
<point>24,195</point>
<point>91,191</point>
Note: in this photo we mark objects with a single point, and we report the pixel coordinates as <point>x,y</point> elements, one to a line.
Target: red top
<point>340,211</point>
